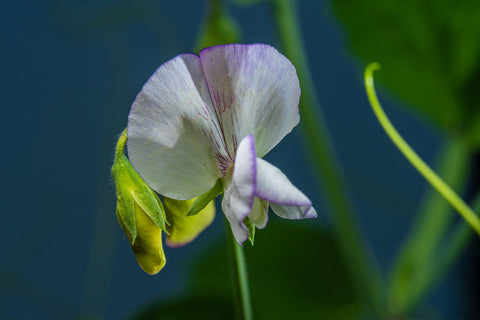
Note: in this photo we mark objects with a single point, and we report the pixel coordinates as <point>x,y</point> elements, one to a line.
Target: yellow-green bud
<point>140,212</point>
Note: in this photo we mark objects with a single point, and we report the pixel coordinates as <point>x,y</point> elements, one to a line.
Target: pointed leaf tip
<point>202,201</point>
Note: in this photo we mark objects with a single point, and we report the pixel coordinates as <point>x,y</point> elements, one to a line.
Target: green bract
<point>206,198</point>
<point>139,212</point>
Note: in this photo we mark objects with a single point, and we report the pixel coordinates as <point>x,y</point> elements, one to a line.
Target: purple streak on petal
<point>254,90</point>
<point>174,139</point>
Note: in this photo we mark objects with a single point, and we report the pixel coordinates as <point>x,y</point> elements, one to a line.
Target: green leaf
<point>203,200</point>
<point>197,306</point>
<point>428,51</point>
<point>248,2</point>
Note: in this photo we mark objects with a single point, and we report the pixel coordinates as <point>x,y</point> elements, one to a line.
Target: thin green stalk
<point>411,266</point>
<point>461,236</point>
<point>240,274</point>
<point>366,277</point>
<point>446,256</point>
<point>465,211</point>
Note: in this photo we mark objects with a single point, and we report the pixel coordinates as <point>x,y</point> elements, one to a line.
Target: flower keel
<point>254,184</point>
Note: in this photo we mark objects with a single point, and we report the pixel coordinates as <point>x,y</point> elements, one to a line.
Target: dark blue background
<point>69,73</point>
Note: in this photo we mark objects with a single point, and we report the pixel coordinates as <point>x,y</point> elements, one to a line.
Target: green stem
<point>465,211</point>
<point>433,219</point>
<point>445,257</point>
<point>317,140</point>
<point>242,290</point>
<point>120,147</point>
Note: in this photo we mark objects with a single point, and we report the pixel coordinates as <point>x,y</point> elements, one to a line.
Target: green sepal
<point>128,226</point>
<point>131,190</point>
<point>251,230</point>
<point>153,207</point>
<point>125,215</point>
<point>203,200</point>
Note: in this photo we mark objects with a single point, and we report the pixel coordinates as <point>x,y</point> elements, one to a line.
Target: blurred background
<point>70,71</point>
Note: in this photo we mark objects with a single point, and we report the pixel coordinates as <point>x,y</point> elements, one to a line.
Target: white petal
<point>240,190</point>
<point>285,199</point>
<point>254,90</point>
<point>174,139</point>
<point>294,212</point>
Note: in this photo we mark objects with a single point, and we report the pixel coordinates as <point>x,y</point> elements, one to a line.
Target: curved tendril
<point>463,209</point>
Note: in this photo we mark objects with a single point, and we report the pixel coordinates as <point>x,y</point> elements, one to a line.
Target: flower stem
<point>364,274</point>
<point>461,236</point>
<point>240,277</point>
<point>465,211</point>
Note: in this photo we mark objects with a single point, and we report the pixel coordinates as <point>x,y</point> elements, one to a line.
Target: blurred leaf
<point>294,269</point>
<point>198,307</point>
<point>429,51</point>
<point>219,27</point>
<point>247,2</point>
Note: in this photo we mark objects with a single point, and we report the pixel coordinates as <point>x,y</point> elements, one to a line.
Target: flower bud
<point>140,212</point>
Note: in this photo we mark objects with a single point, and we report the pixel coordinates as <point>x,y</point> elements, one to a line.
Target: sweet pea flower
<point>211,117</point>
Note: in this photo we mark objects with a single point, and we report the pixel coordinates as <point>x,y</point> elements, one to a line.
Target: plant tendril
<point>463,209</point>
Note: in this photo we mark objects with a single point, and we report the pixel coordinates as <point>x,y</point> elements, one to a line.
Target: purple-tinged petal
<point>174,139</point>
<point>240,188</point>
<point>254,90</point>
<point>285,199</point>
